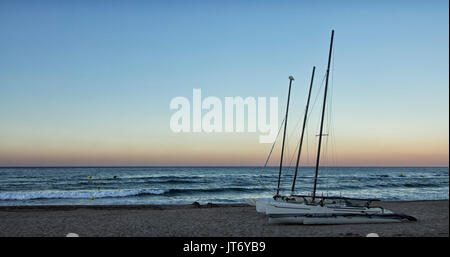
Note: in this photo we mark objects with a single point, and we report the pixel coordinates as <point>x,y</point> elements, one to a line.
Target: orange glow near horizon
<point>223,150</point>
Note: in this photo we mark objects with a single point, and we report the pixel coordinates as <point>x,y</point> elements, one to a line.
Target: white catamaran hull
<point>330,220</point>
<point>298,213</point>
<point>261,204</point>
<point>253,201</point>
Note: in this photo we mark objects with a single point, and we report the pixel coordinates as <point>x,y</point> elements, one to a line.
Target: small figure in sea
<point>92,198</point>
<point>114,177</point>
<point>401,175</point>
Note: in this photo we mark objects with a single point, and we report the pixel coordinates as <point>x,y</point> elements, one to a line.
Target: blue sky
<point>77,74</point>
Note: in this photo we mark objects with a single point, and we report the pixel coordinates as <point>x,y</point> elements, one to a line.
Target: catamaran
<point>313,209</point>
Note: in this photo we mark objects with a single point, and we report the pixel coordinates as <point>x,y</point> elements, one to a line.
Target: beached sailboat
<point>313,209</point>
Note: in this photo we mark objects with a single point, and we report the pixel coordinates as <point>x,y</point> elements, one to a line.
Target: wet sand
<point>205,221</point>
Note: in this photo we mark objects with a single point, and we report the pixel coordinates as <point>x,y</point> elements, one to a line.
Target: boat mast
<point>303,131</point>
<point>284,135</point>
<point>323,115</point>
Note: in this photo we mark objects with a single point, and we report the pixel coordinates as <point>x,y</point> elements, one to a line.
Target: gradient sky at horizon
<point>90,82</point>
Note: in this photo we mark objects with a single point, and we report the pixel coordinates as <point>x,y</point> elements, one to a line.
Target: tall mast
<point>303,131</point>
<point>284,135</point>
<point>323,115</point>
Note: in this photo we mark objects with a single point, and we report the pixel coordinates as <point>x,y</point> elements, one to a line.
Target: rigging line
<point>291,135</point>
<point>295,128</point>
<point>298,143</point>
<point>300,118</point>
<point>331,123</point>
<point>268,157</point>
<point>329,118</point>
<point>289,167</point>
<point>326,153</point>
<point>307,149</point>
<point>331,133</point>
<point>291,161</point>
<point>293,156</point>
<point>330,143</point>
<point>307,144</point>
<point>288,141</point>
<point>297,147</point>
<point>317,96</point>
<point>312,107</point>
<point>331,130</point>
<point>273,145</point>
<point>332,118</point>
<point>334,147</point>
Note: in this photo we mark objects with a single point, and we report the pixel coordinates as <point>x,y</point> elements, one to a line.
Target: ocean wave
<point>78,194</point>
<point>176,181</point>
<point>421,185</point>
<point>212,190</point>
<point>85,194</point>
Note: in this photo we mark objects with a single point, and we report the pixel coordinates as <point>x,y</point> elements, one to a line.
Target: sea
<point>185,185</point>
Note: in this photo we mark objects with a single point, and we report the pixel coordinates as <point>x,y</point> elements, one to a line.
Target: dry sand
<point>217,220</point>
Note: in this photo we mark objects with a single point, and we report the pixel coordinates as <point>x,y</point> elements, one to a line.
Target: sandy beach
<point>212,220</point>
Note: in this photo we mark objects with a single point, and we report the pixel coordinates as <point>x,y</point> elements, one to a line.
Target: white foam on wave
<point>77,194</point>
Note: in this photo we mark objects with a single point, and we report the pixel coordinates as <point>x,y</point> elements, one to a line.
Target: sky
<point>89,83</point>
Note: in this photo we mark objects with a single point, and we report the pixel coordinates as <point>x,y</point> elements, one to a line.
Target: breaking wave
<point>114,193</point>
<point>78,194</point>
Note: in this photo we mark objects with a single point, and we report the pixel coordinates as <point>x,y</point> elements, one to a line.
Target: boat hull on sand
<point>298,213</point>
<point>261,204</point>
<point>251,201</point>
<point>330,220</point>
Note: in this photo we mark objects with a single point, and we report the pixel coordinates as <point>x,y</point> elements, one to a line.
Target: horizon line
<point>207,166</point>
